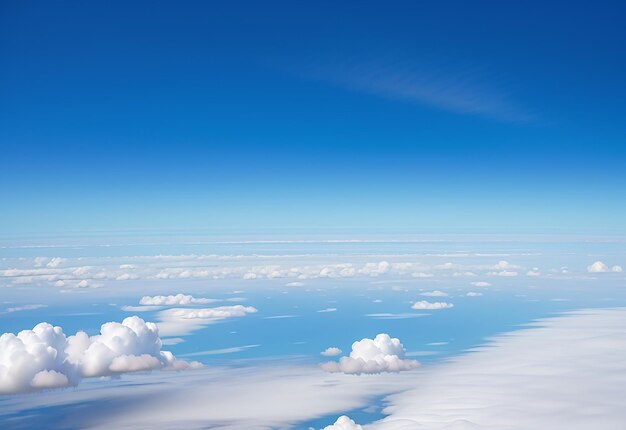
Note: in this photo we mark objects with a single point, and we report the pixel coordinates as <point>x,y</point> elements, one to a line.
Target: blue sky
<point>439,117</point>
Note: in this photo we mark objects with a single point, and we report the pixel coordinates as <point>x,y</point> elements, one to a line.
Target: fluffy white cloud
<point>431,306</point>
<point>617,269</point>
<point>344,423</point>
<point>597,267</point>
<point>178,299</point>
<point>435,293</point>
<point>331,352</point>
<point>480,284</point>
<point>45,358</point>
<point>370,356</point>
<point>473,294</point>
<point>55,262</point>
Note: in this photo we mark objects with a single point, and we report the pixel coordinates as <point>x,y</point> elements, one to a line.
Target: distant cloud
<point>44,357</point>
<point>26,308</point>
<point>370,356</point>
<point>597,267</point>
<point>431,306</point>
<point>616,269</point>
<point>178,299</point>
<point>327,310</point>
<point>480,284</point>
<point>533,272</point>
<point>473,294</point>
<point>344,423</point>
<point>435,293</point>
<point>331,352</point>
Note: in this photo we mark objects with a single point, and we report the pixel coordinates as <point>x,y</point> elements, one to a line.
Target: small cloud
<point>533,272</point>
<point>421,275</point>
<point>597,267</point>
<point>435,293</point>
<point>55,262</point>
<point>327,310</point>
<point>344,423</point>
<point>431,306</point>
<point>473,294</point>
<point>178,299</point>
<point>26,308</point>
<point>616,269</point>
<point>480,284</point>
<point>371,356</point>
<point>331,352</point>
<point>295,284</point>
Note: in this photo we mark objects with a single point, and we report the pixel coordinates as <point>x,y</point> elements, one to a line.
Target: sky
<point>422,117</point>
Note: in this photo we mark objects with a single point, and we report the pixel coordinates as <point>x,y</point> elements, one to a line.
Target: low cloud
<point>44,357</point>
<point>344,423</point>
<point>331,352</point>
<point>371,356</point>
<point>182,321</point>
<point>431,306</point>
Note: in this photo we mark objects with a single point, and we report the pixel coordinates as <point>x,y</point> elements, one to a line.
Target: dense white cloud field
<point>567,372</point>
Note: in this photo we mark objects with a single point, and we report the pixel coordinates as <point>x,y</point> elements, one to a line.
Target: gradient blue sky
<point>500,117</point>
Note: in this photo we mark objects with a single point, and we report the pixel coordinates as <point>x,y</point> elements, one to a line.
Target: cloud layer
<point>45,358</point>
<point>370,356</point>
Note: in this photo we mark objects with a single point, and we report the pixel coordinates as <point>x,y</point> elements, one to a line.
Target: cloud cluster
<point>423,305</point>
<point>45,358</point>
<point>344,423</point>
<point>371,356</point>
<point>600,267</point>
<point>173,300</point>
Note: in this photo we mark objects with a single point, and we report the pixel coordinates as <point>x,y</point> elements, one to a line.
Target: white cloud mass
<point>178,299</point>
<point>344,423</point>
<point>597,267</point>
<point>45,358</point>
<point>371,356</point>
<point>431,306</point>
<point>435,293</point>
<point>331,352</point>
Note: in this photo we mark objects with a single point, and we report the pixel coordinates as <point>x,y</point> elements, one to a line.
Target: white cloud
<point>295,284</point>
<point>503,273</point>
<point>26,308</point>
<point>370,356</point>
<point>421,275</point>
<point>178,299</point>
<point>45,358</point>
<point>597,267</point>
<point>616,269</point>
<point>327,310</point>
<point>473,294</point>
<point>55,262</point>
<point>424,305</point>
<point>376,269</point>
<point>563,373</point>
<point>480,284</point>
<point>435,293</point>
<point>533,272</point>
<point>331,352</point>
<point>344,423</point>
<point>182,321</point>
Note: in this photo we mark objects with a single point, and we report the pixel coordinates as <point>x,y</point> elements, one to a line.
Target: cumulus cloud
<point>431,306</point>
<point>371,356</point>
<point>435,293</point>
<point>597,267</point>
<point>45,357</point>
<point>480,284</point>
<point>178,299</point>
<point>331,352</point>
<point>533,272</point>
<point>344,423</point>
<point>617,269</point>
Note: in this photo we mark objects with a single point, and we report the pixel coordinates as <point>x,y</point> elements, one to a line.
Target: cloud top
<point>371,356</point>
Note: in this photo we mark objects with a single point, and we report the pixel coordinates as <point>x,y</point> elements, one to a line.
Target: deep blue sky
<point>419,116</point>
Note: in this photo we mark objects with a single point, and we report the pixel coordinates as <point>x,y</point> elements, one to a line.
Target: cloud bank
<point>567,372</point>
<point>45,358</point>
<point>371,356</point>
